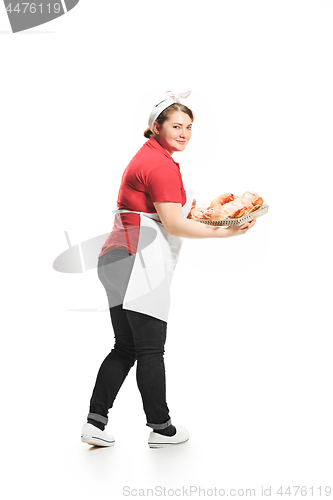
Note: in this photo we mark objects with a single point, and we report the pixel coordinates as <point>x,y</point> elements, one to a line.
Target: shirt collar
<point>153,143</point>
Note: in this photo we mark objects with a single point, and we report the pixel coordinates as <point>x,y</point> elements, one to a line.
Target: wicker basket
<point>236,222</point>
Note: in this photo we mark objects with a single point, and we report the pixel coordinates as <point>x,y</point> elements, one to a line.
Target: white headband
<point>165,104</point>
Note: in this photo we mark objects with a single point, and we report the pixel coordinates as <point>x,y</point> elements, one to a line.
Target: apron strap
<point>146,214</point>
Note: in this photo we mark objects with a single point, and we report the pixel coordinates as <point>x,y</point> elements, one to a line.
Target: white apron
<point>148,289</point>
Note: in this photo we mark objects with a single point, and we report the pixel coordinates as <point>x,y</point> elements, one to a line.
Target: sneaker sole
<point>96,441</point>
<point>165,445</point>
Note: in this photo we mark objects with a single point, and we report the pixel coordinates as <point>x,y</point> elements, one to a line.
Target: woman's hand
<point>236,230</point>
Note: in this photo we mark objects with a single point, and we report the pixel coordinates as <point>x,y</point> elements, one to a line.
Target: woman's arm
<point>173,221</point>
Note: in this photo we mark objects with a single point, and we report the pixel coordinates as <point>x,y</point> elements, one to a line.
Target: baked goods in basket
<point>222,200</point>
<point>228,206</point>
<point>196,213</point>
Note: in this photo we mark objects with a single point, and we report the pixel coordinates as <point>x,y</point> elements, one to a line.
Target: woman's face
<point>175,132</point>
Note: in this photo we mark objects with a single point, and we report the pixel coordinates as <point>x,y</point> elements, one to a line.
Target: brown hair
<point>165,115</point>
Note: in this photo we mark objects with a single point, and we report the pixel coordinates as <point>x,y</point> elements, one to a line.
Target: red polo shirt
<point>152,175</point>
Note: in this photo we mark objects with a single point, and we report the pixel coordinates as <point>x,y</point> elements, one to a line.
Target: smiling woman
<point>176,121</point>
<point>136,265</point>
<point>176,132</point>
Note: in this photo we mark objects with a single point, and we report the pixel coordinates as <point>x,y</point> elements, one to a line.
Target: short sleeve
<point>165,184</point>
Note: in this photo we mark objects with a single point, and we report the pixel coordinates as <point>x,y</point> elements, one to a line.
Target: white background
<point>249,350</point>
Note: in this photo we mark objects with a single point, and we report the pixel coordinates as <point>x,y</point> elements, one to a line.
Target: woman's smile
<point>175,132</point>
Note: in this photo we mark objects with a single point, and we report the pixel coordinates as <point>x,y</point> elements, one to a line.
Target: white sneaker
<point>94,436</point>
<point>159,441</point>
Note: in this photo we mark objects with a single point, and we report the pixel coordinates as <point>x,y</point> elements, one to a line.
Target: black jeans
<point>138,337</point>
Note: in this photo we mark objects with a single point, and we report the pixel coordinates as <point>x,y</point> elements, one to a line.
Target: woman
<point>136,265</point>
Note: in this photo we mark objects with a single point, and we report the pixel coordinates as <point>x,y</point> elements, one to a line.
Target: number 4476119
<point>32,8</point>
